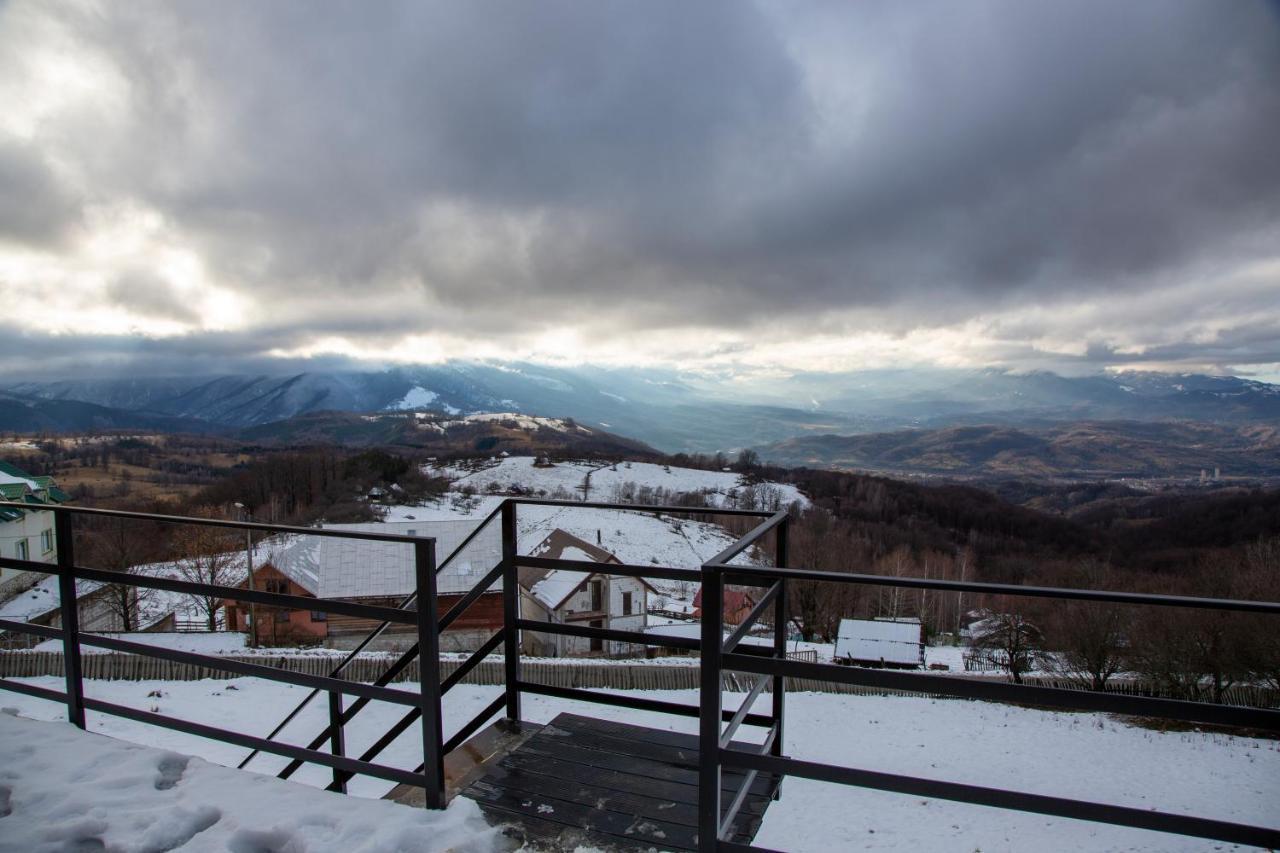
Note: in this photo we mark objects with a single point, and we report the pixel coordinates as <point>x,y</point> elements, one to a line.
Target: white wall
<point>28,529</point>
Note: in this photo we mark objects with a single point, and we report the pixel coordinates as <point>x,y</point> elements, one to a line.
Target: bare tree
<point>123,546</point>
<point>1009,638</point>
<point>1089,639</point>
<point>208,555</point>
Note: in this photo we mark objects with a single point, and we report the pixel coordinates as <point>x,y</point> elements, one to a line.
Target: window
<point>597,595</point>
<point>282,615</point>
<point>46,540</point>
<point>626,604</point>
<point>280,587</point>
<point>319,616</point>
<point>21,551</point>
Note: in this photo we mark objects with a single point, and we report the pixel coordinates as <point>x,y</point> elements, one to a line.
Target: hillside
<point>1087,450</point>
<point>448,435</point>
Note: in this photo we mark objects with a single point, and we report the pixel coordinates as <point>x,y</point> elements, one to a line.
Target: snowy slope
<point>621,482</point>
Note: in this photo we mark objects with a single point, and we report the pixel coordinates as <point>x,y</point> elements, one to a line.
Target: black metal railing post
<point>709,710</point>
<point>511,609</point>
<point>780,606</point>
<point>70,616</point>
<point>337,739</point>
<point>424,561</point>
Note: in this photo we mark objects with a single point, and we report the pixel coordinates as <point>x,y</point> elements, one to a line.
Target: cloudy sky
<point>751,187</point>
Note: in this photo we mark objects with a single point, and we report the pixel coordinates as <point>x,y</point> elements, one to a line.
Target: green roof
<point>44,493</point>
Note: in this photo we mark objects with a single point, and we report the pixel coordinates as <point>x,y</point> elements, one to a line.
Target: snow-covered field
<point>1086,756</point>
<point>609,482</point>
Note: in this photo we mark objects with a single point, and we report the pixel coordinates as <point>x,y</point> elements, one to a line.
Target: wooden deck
<point>582,780</point>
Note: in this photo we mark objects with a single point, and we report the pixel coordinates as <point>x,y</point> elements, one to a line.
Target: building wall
<point>476,625</point>
<point>276,626</point>
<point>577,609</point>
<point>26,529</point>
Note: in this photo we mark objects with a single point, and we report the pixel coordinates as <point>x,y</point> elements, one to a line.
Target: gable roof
<point>330,567</point>
<point>20,487</point>
<point>553,587</point>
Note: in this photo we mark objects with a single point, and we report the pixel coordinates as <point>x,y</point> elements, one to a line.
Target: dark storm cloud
<point>673,164</point>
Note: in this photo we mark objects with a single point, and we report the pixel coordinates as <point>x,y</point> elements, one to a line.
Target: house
<point>26,534</point>
<point>737,605</point>
<point>593,599</point>
<point>383,573</point>
<point>891,644</point>
<point>278,626</point>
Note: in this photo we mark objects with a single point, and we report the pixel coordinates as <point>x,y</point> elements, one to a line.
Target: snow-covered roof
<point>892,642</point>
<point>359,568</point>
<point>42,599</point>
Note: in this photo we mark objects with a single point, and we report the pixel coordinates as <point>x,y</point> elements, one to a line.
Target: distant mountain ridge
<point>670,410</point>
<point>1085,450</point>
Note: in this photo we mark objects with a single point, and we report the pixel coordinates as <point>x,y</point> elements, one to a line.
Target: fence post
<point>424,561</point>
<point>510,610</point>
<point>70,617</point>
<point>337,739</point>
<point>709,710</point>
<point>779,686</point>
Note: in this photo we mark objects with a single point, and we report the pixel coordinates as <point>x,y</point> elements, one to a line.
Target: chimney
<point>599,538</point>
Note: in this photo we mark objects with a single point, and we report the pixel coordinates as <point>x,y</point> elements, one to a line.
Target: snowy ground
<point>62,790</point>
<point>611,482</point>
<point>1087,756</point>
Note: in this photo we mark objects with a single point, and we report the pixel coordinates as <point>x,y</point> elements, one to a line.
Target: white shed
<point>878,642</point>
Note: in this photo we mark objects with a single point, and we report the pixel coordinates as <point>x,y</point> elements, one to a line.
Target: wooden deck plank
<point>612,784</point>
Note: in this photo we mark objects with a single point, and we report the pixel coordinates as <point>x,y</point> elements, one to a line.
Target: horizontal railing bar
<point>473,725</point>
<point>671,573</point>
<point>391,774</point>
<point>473,661</point>
<point>999,691</point>
<point>663,510</point>
<point>634,703</point>
<point>253,670</point>
<point>607,634</point>
<point>28,565</point>
<point>762,572</point>
<point>726,736</point>
<point>33,690</point>
<point>31,628</point>
<point>748,539</point>
<point>270,599</point>
<point>731,642</point>
<point>1235,833</point>
<point>460,607</point>
<point>223,522</point>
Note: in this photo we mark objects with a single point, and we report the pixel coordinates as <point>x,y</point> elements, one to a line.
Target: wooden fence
<point>585,673</point>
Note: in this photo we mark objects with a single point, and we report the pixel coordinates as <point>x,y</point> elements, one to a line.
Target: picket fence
<point>585,673</point>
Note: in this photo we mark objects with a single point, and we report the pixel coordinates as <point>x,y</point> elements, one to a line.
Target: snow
<point>553,589</point>
<point>40,599</point>
<point>9,479</point>
<point>614,482</point>
<point>1086,756</point>
<point>416,398</point>
<point>65,789</point>
<point>205,643</point>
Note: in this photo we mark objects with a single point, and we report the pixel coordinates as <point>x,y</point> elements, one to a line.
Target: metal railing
<point>720,652</point>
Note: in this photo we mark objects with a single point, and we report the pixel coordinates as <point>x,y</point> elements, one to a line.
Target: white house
<point>26,534</point>
<point>593,599</point>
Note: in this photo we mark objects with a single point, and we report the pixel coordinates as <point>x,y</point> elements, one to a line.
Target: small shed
<point>881,643</point>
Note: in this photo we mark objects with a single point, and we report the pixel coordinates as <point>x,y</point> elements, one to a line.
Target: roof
<point>892,642</point>
<point>552,587</point>
<point>331,567</point>
<point>19,486</point>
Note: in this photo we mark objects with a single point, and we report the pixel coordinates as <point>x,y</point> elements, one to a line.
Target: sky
<point>747,187</point>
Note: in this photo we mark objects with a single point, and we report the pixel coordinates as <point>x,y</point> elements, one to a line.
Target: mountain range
<point>671,410</point>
